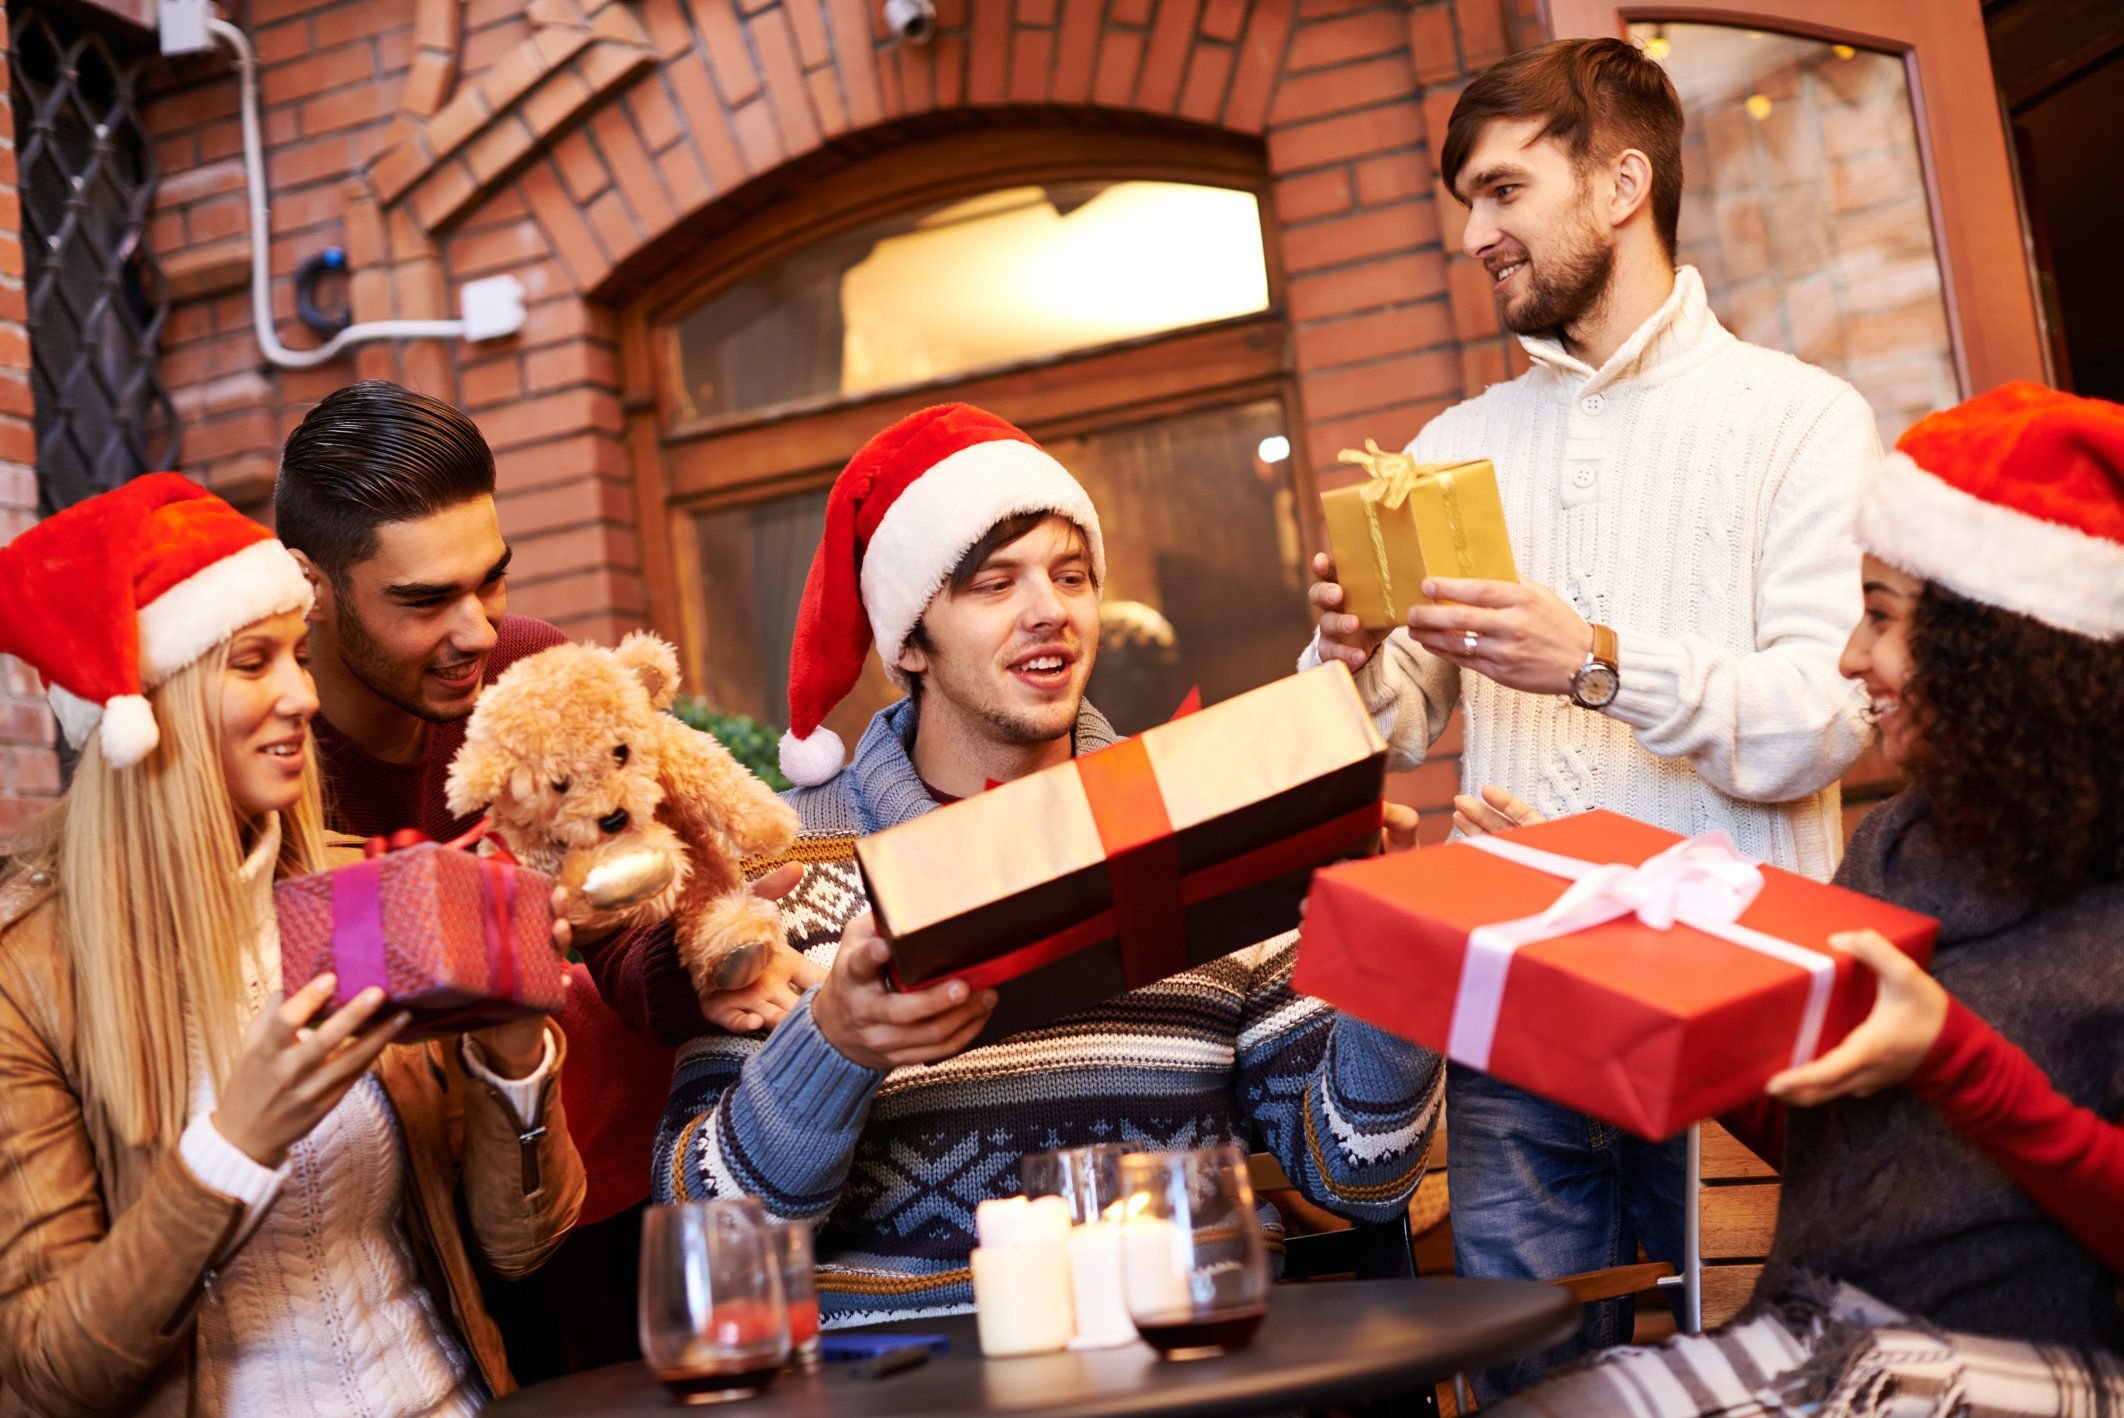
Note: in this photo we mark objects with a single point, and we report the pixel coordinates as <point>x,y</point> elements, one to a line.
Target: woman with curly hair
<point>1954,1245</point>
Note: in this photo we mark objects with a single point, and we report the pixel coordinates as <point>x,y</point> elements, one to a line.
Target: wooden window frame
<point>745,458</point>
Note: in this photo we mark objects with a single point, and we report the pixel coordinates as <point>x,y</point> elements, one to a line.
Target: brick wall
<point>576,142</point>
<point>29,769</point>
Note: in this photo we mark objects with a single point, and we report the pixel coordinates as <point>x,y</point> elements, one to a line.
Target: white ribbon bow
<point>1703,883</point>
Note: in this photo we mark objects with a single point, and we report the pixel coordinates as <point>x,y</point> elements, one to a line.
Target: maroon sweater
<point>613,1087</point>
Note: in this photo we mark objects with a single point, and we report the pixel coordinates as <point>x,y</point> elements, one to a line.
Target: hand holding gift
<point>289,1076</point>
<point>877,1027</point>
<point>1519,634</point>
<point>1909,1010</point>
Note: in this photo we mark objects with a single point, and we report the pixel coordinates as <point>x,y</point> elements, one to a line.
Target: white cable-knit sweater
<point>319,1309</point>
<point>1695,494</point>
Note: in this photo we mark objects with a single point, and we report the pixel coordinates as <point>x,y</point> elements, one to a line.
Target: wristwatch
<point>1594,683</point>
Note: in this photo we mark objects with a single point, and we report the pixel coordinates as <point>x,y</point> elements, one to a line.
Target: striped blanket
<point>1837,1354</point>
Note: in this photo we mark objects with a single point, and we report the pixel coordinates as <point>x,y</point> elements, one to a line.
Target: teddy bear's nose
<point>616,823</point>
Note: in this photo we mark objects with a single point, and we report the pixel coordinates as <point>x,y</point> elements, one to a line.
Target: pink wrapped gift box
<point>462,941</point>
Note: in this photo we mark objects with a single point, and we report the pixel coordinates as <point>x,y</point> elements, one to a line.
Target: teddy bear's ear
<point>654,663</point>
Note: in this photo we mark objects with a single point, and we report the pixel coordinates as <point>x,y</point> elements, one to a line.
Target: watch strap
<point>1605,649</point>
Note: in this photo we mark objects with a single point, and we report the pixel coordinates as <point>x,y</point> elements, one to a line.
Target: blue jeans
<point>1539,1191</point>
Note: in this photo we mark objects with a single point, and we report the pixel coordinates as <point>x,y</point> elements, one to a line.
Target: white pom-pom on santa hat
<point>2014,498</point>
<point>813,759</point>
<point>153,575</point>
<point>912,502</point>
<point>129,733</point>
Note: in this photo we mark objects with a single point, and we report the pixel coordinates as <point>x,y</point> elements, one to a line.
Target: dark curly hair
<point>2024,757</point>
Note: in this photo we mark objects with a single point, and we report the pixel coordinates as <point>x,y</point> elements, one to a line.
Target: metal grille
<point>96,300</point>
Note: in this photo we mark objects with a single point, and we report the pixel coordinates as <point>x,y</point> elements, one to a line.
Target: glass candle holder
<point>714,1323</point>
<point>1193,1267</point>
<point>793,1249</point>
<point>1088,1178</point>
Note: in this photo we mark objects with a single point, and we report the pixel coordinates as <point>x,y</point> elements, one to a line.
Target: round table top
<point>1320,1342</point>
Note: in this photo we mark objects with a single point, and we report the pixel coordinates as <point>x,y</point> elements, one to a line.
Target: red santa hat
<point>2014,498</point>
<point>114,595</point>
<point>910,504</point>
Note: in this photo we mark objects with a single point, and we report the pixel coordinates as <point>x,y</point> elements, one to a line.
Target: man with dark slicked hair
<point>386,497</point>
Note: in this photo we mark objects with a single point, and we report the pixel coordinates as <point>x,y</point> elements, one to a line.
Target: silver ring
<point>1470,642</point>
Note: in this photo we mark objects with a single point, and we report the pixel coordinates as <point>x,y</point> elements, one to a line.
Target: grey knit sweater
<point>1880,1193</point>
<point>894,1164</point>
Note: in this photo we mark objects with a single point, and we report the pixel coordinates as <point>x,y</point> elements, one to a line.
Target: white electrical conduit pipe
<point>262,240</point>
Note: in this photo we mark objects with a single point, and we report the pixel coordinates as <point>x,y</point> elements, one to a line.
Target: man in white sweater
<point>1680,505</point>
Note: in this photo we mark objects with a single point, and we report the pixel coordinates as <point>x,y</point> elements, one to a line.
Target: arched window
<point>1115,296</point>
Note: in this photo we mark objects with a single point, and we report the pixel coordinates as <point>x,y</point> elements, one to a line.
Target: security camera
<point>913,21</point>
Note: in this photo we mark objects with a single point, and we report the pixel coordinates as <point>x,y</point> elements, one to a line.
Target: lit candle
<point>1157,1261</point>
<point>1095,1284</point>
<point>1023,1250</point>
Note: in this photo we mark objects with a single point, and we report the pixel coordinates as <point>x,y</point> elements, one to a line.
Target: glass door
<point>1848,191</point>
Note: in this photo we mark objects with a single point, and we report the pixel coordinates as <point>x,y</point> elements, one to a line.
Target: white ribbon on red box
<point>1703,883</point>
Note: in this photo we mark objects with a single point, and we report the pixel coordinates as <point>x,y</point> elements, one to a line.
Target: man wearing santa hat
<point>972,561</point>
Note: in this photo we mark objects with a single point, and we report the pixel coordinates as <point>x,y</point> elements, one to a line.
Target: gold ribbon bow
<point>1395,477</point>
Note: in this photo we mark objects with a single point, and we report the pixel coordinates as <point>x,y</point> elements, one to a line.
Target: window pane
<point>1805,208</point>
<point>1204,584</point>
<point>1010,276</point>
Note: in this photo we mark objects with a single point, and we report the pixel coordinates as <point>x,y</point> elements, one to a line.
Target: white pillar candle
<point>1156,1264</point>
<point>1095,1283</point>
<point>1022,1302</point>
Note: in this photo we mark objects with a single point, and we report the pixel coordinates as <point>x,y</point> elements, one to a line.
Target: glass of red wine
<point>1193,1266</point>
<point>793,1251</point>
<point>714,1322</point>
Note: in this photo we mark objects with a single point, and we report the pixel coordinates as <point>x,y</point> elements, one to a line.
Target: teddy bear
<point>586,778</point>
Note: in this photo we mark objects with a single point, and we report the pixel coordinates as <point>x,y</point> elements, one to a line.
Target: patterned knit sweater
<point>893,1165</point>
<point>1695,493</point>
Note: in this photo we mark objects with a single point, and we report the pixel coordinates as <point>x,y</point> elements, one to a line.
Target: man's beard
<point>1566,286</point>
<point>366,659</point>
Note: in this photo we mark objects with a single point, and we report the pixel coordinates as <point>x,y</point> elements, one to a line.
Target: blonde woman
<point>211,1201</point>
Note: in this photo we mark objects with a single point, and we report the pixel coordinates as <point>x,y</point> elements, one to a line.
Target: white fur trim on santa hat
<point>2055,574</point>
<point>810,761</point>
<point>940,515</point>
<point>215,602</point>
<point>129,732</point>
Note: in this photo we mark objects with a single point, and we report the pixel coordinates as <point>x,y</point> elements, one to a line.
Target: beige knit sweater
<point>1696,494</point>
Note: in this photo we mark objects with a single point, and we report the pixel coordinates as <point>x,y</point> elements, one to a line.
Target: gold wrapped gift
<point>1411,520</point>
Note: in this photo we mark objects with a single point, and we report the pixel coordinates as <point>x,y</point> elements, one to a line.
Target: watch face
<point>1595,686</point>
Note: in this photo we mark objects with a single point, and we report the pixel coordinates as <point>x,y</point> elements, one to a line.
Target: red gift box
<point>1652,997</point>
<point>462,941</point>
<point>1118,869</point>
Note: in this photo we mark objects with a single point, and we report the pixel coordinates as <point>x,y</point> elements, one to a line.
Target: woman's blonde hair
<point>151,908</point>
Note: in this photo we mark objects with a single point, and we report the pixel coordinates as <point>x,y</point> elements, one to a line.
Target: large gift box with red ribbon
<point>1601,963</point>
<point>1122,867</point>
<point>461,940</point>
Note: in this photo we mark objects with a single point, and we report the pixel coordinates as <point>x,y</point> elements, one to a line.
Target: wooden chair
<point>1726,1233</point>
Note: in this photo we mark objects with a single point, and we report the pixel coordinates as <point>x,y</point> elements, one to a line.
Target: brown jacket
<point>107,1249</point>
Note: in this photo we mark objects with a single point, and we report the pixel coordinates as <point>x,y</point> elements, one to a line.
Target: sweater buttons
<point>1592,404</point>
<point>1583,475</point>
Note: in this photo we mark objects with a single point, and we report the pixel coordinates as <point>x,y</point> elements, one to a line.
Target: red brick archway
<point>583,143</point>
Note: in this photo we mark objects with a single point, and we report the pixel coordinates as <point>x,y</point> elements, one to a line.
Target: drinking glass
<point>1193,1266</point>
<point>793,1251</point>
<point>1088,1178</point>
<point>714,1323</point>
